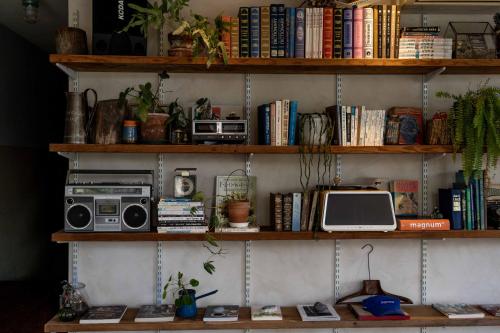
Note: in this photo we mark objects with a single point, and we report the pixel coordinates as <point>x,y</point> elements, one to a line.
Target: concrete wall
<point>291,272</point>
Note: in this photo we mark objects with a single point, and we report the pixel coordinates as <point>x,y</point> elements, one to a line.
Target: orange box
<point>423,224</point>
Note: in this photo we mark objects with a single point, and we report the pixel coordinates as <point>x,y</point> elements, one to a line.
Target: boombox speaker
<point>109,17</point>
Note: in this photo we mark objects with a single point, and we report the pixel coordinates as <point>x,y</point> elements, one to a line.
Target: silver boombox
<point>219,131</point>
<point>107,207</point>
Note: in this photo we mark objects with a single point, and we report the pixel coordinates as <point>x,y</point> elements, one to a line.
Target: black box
<point>108,18</point>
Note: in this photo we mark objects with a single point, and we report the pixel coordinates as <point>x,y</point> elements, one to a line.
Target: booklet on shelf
<point>111,314</point>
<point>155,313</point>
<point>317,312</point>
<point>267,312</point>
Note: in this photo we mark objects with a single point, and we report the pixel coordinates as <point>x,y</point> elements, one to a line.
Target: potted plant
<point>238,209</point>
<point>149,112</point>
<point>475,127</point>
<point>177,123</point>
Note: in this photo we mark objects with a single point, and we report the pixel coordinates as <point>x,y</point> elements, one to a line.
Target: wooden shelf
<point>242,149</point>
<point>64,237</point>
<point>157,64</point>
<point>421,316</point>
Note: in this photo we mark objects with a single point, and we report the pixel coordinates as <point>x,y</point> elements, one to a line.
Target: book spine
<point>264,125</point>
<point>456,213</point>
<point>348,118</point>
<point>276,204</point>
<point>353,126</point>
<point>388,32</point>
<point>304,219</point>
<point>287,211</point>
<point>347,37</point>
<point>273,123</point>
<point>281,31</point>
<point>291,33</point>
<point>319,47</point>
<point>397,32</point>
<point>235,37</point>
<point>293,122</point>
<point>226,33</point>
<point>482,204</point>
<point>315,33</point>
<point>300,33</point>
<point>469,208</point>
<point>383,35</point>
<point>265,32</point>
<point>375,32</point>
<point>309,33</point>
<point>368,33</point>
<point>328,33</point>
<point>285,122</point>
<point>393,31</point>
<point>362,127</point>
<point>382,126</point>
<point>357,33</point>
<point>296,213</point>
<point>244,32</point>
<point>255,32</point>
<point>274,31</point>
<point>343,131</point>
<point>181,218</point>
<point>279,119</point>
<point>337,34</point>
<point>287,32</point>
<point>477,204</point>
<point>463,207</point>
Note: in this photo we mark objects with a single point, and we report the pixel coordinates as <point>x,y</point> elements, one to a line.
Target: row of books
<point>357,126</point>
<point>181,216</point>
<point>277,123</point>
<point>277,31</point>
<point>425,43</point>
<point>295,211</point>
<point>464,204</point>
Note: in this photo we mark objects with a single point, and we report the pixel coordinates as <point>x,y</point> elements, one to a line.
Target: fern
<point>475,126</point>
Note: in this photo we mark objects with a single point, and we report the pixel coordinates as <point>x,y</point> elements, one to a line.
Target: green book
<point>469,208</point>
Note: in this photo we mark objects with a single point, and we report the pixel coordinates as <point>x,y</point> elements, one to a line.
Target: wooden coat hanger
<point>371,287</point>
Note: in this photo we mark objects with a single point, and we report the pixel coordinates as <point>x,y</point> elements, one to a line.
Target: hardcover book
<point>309,312</point>
<point>273,123</point>
<point>357,33</point>
<point>264,118</point>
<point>362,314</point>
<point>287,31</point>
<point>347,36</point>
<point>267,312</point>
<point>319,44</point>
<point>111,314</point>
<point>383,31</point>
<point>265,32</point>
<point>306,206</point>
<point>276,210</point>
<point>492,309</point>
<point>337,33</point>
<point>309,33</point>
<point>281,31</point>
<point>285,122</point>
<point>155,313</point>
<point>235,37</point>
<point>226,35</point>
<point>221,313</point>
<point>250,228</point>
<point>313,211</point>
<point>410,124</point>
<point>459,311</point>
<point>227,185</point>
<point>393,32</point>
<point>291,32</point>
<point>255,32</point>
<point>299,33</point>
<point>328,33</point>
<point>368,33</point>
<point>274,31</point>
<point>244,16</point>
<point>296,211</point>
<point>405,196</point>
<point>293,122</point>
<point>375,32</point>
<point>388,31</point>
<point>450,205</point>
<point>279,120</point>
<point>287,211</point>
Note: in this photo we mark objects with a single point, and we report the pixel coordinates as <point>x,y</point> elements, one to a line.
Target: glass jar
<point>129,133</point>
<point>77,299</point>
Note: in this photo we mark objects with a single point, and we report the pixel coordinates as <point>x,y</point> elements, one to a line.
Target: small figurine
<point>436,214</point>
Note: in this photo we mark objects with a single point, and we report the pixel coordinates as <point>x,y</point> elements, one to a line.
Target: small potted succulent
<point>149,112</point>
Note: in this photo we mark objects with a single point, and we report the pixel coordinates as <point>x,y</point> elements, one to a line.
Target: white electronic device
<point>357,211</point>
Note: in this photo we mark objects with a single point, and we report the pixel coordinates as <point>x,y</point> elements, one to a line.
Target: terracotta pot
<point>180,45</point>
<point>238,211</point>
<point>154,130</point>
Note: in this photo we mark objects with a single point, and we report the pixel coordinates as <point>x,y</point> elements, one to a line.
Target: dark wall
<point>32,108</point>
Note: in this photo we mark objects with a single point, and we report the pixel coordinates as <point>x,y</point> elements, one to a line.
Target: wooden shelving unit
<point>157,64</point>
<point>421,316</point>
<point>64,237</point>
<point>242,149</point>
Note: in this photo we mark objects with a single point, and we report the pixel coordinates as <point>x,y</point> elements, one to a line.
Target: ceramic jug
<point>78,116</point>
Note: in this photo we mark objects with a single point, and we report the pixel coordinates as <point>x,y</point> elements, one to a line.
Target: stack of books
<point>278,123</point>
<point>181,216</point>
<point>357,126</point>
<point>424,43</point>
<point>277,31</point>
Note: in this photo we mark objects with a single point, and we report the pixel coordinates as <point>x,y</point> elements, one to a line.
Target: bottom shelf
<point>421,316</point>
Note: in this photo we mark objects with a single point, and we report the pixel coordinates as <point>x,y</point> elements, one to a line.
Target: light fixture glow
<point>30,10</point>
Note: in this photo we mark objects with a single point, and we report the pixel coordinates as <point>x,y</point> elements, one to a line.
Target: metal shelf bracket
<point>431,75</point>
<point>69,156</point>
<point>68,71</point>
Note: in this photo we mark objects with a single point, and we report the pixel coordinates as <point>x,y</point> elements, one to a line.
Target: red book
<point>362,314</point>
<point>357,33</point>
<point>226,35</point>
<point>327,33</point>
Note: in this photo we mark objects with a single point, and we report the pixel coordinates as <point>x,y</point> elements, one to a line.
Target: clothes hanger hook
<point>369,252</point>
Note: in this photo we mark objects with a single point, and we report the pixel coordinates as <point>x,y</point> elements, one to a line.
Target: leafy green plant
<point>475,126</point>
<point>178,287</point>
<point>145,99</point>
<point>177,117</point>
<point>155,15</point>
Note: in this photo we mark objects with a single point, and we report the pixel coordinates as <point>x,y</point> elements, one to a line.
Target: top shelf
<point>158,64</point>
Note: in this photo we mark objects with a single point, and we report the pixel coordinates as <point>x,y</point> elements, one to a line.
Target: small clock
<point>184,183</point>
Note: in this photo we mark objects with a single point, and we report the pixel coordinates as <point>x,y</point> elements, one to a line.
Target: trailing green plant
<point>155,15</point>
<point>178,286</point>
<point>475,127</point>
<point>177,117</point>
<point>145,99</point>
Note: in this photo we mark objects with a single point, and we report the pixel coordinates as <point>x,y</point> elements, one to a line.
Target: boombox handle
<point>110,172</point>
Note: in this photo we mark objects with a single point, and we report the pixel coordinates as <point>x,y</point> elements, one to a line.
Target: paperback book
<point>110,314</point>
<point>155,313</point>
<point>459,311</point>
<point>362,314</point>
<point>310,312</point>
<point>221,313</point>
<point>267,312</point>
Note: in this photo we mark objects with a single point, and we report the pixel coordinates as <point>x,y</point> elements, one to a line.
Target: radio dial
<point>70,201</point>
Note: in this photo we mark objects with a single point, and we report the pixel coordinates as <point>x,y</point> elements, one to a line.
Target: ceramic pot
<point>154,130</point>
<point>190,310</point>
<point>180,45</point>
<point>238,211</point>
